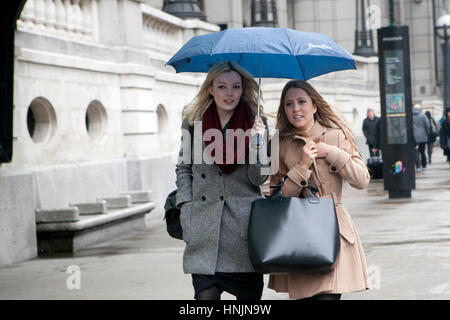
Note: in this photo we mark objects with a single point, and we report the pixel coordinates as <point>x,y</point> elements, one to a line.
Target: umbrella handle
<point>259,98</point>
<point>259,83</point>
<point>258,141</point>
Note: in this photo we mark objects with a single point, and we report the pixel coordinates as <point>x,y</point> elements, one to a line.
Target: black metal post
<point>10,13</point>
<point>397,139</point>
<point>391,13</point>
<point>436,76</point>
<point>363,16</point>
<point>446,57</point>
<point>363,38</point>
<point>446,53</point>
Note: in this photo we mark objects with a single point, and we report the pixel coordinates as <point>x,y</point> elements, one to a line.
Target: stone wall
<point>17,220</point>
<point>96,112</point>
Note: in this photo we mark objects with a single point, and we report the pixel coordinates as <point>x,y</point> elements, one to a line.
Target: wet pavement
<point>407,246</point>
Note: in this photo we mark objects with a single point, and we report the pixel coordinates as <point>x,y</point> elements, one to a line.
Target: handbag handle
<point>318,177</point>
<point>277,195</point>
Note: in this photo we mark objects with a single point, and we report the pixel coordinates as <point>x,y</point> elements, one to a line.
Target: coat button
<point>203,198</point>
<point>221,198</point>
<point>303,183</point>
<point>333,169</point>
<point>220,173</point>
<point>203,176</point>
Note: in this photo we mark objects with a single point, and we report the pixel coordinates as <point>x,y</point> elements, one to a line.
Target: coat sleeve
<point>348,163</point>
<point>296,178</point>
<point>183,168</point>
<point>257,173</point>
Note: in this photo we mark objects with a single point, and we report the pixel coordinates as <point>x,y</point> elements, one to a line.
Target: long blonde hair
<point>324,114</point>
<point>195,110</point>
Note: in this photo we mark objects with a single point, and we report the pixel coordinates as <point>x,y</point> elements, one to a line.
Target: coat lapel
<point>316,134</point>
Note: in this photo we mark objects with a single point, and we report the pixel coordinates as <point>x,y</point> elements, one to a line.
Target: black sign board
<point>397,141</point>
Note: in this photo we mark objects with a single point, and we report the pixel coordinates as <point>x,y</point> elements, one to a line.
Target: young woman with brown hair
<point>312,134</point>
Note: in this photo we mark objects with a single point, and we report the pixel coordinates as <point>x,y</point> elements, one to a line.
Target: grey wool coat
<point>421,126</point>
<point>215,222</point>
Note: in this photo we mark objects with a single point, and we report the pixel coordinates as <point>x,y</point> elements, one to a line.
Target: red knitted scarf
<point>241,119</point>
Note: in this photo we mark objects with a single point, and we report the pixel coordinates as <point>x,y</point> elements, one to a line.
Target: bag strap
<point>278,194</point>
<point>191,131</point>
<point>318,177</point>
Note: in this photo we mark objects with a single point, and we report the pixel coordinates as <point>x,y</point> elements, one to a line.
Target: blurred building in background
<point>97,113</point>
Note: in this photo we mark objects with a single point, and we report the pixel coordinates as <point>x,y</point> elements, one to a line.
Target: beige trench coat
<point>342,163</point>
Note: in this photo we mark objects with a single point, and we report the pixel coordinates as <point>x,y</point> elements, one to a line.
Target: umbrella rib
<point>213,47</point>
<point>296,58</point>
<point>300,66</point>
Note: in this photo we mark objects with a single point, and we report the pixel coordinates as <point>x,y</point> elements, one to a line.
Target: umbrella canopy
<point>265,52</point>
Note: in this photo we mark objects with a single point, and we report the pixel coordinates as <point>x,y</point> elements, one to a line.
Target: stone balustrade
<point>163,33</point>
<point>65,18</point>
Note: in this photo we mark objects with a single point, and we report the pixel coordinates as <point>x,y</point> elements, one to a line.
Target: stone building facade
<point>337,19</point>
<point>97,113</point>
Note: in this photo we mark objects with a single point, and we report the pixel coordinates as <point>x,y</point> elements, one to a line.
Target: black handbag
<point>434,133</point>
<point>375,166</point>
<point>172,212</point>
<point>293,235</point>
<point>375,161</point>
<point>172,216</point>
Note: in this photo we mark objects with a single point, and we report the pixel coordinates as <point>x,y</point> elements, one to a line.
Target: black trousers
<point>244,286</point>
<point>429,150</point>
<point>421,157</point>
<point>373,154</point>
<point>323,296</point>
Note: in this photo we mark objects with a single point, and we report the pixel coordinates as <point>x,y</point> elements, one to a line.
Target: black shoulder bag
<point>172,212</point>
<point>293,235</point>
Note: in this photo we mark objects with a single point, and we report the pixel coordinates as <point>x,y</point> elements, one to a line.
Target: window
<point>96,120</point>
<point>41,120</point>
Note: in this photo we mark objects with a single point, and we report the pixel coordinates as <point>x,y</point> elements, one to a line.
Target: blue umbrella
<point>264,52</point>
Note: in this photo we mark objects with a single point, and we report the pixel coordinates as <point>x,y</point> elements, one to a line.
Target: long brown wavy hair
<point>195,110</point>
<point>325,115</point>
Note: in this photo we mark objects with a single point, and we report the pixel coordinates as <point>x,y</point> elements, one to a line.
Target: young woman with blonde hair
<point>215,198</point>
<point>312,134</point>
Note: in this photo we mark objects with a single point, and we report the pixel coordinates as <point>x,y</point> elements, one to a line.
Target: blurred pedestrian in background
<point>421,128</point>
<point>444,135</point>
<point>433,134</point>
<point>369,128</point>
